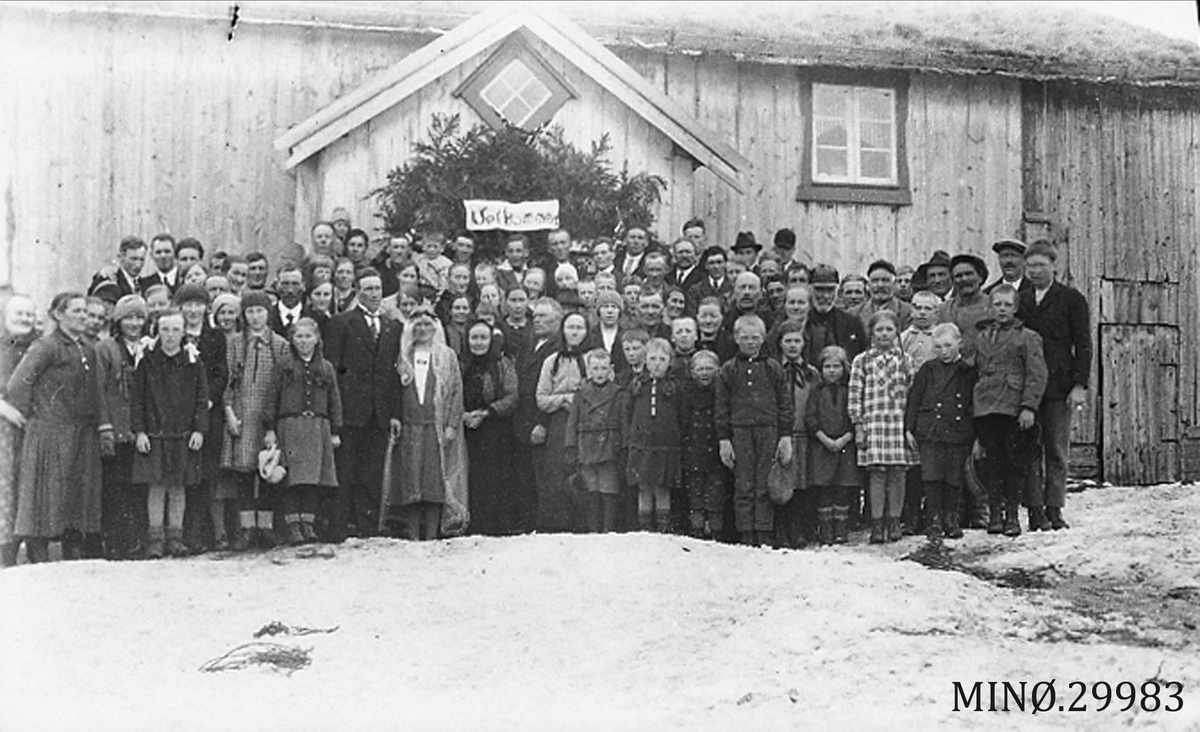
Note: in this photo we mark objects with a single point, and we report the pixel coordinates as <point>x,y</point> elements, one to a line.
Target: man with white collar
<point>290,307</point>
<point>686,274</point>
<point>162,251</point>
<point>131,257</point>
<point>632,260</point>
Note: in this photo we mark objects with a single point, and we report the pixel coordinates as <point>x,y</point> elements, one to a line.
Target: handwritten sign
<point>524,216</point>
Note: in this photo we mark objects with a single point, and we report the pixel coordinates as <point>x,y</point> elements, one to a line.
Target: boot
<point>220,541</point>
<point>8,554</point>
<point>877,533</point>
<point>910,526</point>
<point>951,526</point>
<point>662,521</point>
<point>995,519</point>
<point>265,521</point>
<point>154,547</point>
<point>895,532</point>
<point>37,549</point>
<point>933,525</point>
<point>72,545</point>
<point>307,532</point>
<point>825,525</point>
<point>1012,520</point>
<point>1054,515</point>
<point>295,536</point>
<point>841,524</point>
<point>1037,519</point>
<point>175,546</point>
<point>645,521</point>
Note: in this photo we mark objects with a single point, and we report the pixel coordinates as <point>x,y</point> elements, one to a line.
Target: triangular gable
<point>481,32</point>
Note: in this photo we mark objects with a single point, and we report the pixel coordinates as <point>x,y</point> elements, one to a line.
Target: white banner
<point>524,216</point>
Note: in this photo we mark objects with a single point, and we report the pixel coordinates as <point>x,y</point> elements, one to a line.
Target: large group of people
<point>410,387</point>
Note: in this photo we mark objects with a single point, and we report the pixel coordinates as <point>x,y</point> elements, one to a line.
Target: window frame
<point>899,194</point>
<point>515,47</point>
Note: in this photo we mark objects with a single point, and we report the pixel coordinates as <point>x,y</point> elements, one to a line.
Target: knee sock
<point>156,504</point>
<point>895,492</point>
<point>878,485</point>
<point>176,506</point>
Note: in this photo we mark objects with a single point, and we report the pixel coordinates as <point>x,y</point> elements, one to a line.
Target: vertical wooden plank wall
<point>116,125</point>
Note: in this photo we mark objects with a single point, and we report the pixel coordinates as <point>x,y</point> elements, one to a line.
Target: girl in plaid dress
<point>879,381</point>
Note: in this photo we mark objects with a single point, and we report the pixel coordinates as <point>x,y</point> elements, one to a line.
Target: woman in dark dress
<point>199,533</point>
<point>19,333</point>
<point>489,399</point>
<point>563,372</point>
<point>57,388</point>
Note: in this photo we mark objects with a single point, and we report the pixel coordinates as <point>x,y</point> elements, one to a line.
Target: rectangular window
<point>855,142</point>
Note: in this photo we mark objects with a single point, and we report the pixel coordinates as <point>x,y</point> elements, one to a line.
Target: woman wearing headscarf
<point>428,491</point>
<point>123,504</point>
<point>57,388</point>
<point>563,372</point>
<point>489,400</point>
<point>20,318</point>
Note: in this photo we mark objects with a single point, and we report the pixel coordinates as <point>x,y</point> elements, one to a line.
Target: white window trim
<point>854,139</point>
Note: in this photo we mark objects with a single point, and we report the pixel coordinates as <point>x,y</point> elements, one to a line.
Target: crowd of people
<point>410,387</point>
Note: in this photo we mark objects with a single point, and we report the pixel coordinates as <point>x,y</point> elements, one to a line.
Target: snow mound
<point>611,632</point>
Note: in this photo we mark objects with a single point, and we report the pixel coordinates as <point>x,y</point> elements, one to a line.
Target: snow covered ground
<point>618,632</point>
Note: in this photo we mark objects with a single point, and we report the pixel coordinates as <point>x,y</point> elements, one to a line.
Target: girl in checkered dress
<point>879,381</point>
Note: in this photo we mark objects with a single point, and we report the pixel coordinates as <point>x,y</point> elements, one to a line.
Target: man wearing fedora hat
<point>745,249</point>
<point>937,274</point>
<point>968,305</point>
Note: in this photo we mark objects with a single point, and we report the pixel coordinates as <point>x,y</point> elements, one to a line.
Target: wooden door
<point>1140,395</point>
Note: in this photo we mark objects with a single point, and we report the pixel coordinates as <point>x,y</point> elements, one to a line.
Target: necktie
<point>373,321</point>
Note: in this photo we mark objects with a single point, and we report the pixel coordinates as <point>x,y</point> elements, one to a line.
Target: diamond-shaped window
<point>516,87</point>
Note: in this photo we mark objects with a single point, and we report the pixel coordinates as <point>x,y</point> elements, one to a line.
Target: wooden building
<point>869,135</point>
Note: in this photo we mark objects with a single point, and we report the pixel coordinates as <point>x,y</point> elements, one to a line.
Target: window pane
<point>832,133</point>
<point>876,165</point>
<point>516,111</point>
<point>875,104</point>
<point>833,163</point>
<point>534,93</point>
<point>831,101</point>
<point>876,135</point>
<point>516,74</point>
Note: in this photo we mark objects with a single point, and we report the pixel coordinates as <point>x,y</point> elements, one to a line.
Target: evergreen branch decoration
<point>512,164</point>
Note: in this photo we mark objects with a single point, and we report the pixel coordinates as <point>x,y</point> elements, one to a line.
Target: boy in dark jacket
<point>1012,379</point>
<point>594,440</point>
<point>938,419</point>
<point>705,479</point>
<point>753,412</point>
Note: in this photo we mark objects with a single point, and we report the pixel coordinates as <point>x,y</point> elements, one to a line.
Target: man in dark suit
<point>528,421</point>
<point>516,262</point>
<point>289,286</point>
<point>1059,314</point>
<point>632,259</point>
<point>131,257</point>
<point>714,283</point>
<point>162,251</point>
<point>1010,253</point>
<point>363,346</point>
<point>686,273</point>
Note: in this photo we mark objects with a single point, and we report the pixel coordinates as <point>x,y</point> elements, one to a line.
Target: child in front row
<point>169,417</point>
<point>939,419</point>
<point>594,441</point>
<point>754,414</point>
<point>832,468</point>
<point>706,481</point>
<point>794,518</point>
<point>652,437</point>
<point>302,414</point>
<point>879,382</point>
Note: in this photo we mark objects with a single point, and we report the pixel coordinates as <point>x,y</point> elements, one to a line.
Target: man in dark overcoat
<point>1059,314</point>
<point>363,346</point>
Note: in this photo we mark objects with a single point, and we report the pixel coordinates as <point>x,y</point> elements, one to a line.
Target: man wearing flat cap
<point>829,325</point>
<point>1010,254</point>
<point>968,305</point>
<point>881,286</point>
